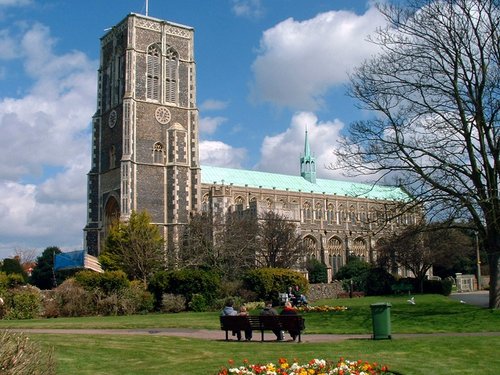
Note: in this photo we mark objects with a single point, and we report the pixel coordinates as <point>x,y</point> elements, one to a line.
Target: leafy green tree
<point>13,266</point>
<point>43,275</point>
<point>135,247</point>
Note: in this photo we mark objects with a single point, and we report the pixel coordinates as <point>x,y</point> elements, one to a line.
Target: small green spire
<point>307,163</point>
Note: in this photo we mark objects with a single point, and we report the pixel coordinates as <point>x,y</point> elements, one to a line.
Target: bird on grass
<point>411,301</point>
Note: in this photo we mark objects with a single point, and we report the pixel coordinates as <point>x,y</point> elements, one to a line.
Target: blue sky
<point>266,71</point>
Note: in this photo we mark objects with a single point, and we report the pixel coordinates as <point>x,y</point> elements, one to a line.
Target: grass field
<point>118,354</point>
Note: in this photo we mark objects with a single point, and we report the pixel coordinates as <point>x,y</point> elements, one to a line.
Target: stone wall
<point>323,291</point>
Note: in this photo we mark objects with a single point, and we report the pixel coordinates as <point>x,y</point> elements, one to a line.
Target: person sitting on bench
<point>270,311</point>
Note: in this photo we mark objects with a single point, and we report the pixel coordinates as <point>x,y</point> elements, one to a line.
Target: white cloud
<point>45,149</point>
<point>213,105</point>
<point>248,8</point>
<point>299,62</point>
<point>281,153</point>
<point>15,2</point>
<point>219,154</point>
<point>209,125</point>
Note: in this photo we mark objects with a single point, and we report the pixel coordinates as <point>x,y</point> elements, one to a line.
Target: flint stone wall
<point>324,291</point>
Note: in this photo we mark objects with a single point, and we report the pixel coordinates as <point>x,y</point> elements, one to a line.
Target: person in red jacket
<point>289,310</point>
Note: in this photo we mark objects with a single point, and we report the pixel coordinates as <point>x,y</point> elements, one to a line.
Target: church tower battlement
<point>145,129</point>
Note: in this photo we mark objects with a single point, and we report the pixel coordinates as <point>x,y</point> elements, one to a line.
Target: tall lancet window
<point>171,75</point>
<point>158,153</point>
<point>153,72</point>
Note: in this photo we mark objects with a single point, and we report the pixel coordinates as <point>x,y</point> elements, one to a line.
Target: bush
<point>23,303</point>
<point>378,282</point>
<point>186,282</point>
<point>21,356</point>
<point>197,303</point>
<point>355,270</point>
<point>220,303</point>
<point>172,303</point>
<point>73,300</point>
<point>109,282</point>
<point>136,299</point>
<point>50,305</point>
<point>438,287</point>
<point>158,286</point>
<point>268,282</point>
<point>317,271</point>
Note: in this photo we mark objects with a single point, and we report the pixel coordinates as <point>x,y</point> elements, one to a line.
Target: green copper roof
<point>266,180</point>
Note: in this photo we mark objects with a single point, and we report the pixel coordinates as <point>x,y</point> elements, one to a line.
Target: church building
<point>145,140</point>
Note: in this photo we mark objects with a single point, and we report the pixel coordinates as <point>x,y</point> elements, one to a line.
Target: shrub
<point>109,282</point>
<point>355,270</point>
<point>73,299</point>
<point>438,287</point>
<point>20,356</point>
<point>259,305</point>
<point>23,303</point>
<point>50,304</point>
<point>220,303</point>
<point>197,303</point>
<point>317,271</point>
<point>186,282</point>
<point>136,299</point>
<point>378,282</point>
<point>158,285</point>
<point>173,303</point>
<point>268,282</point>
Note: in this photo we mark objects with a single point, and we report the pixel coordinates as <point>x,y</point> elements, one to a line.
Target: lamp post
<point>478,259</point>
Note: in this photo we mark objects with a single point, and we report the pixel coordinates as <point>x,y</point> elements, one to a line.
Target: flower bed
<point>321,308</point>
<point>313,367</point>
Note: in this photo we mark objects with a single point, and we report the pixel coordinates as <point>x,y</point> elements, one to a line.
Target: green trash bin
<point>381,318</point>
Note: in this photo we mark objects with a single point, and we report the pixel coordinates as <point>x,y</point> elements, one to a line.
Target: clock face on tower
<point>162,115</point>
<point>112,118</point>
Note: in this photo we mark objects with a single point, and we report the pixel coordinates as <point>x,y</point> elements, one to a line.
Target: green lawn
<point>121,355</point>
<point>145,354</point>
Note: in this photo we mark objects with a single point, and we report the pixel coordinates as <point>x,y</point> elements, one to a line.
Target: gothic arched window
<point>171,75</point>
<point>307,211</point>
<point>318,211</point>
<point>158,153</point>
<point>330,213</point>
<point>112,157</point>
<point>153,70</point>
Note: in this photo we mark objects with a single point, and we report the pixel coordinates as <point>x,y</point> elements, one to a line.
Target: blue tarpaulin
<point>72,259</point>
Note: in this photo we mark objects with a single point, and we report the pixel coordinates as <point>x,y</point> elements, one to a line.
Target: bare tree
<point>419,247</point>
<point>26,256</point>
<point>435,91</point>
<point>224,244</point>
<point>280,244</point>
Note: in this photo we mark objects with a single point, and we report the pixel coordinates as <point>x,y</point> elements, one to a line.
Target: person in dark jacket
<point>289,310</point>
<point>270,311</point>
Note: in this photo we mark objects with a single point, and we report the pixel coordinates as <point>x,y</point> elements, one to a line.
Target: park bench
<point>262,323</point>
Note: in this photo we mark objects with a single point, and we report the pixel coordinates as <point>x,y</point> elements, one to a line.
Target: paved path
<point>478,298</point>
<point>220,335</point>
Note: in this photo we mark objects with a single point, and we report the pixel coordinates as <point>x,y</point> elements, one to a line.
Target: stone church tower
<point>145,129</point>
